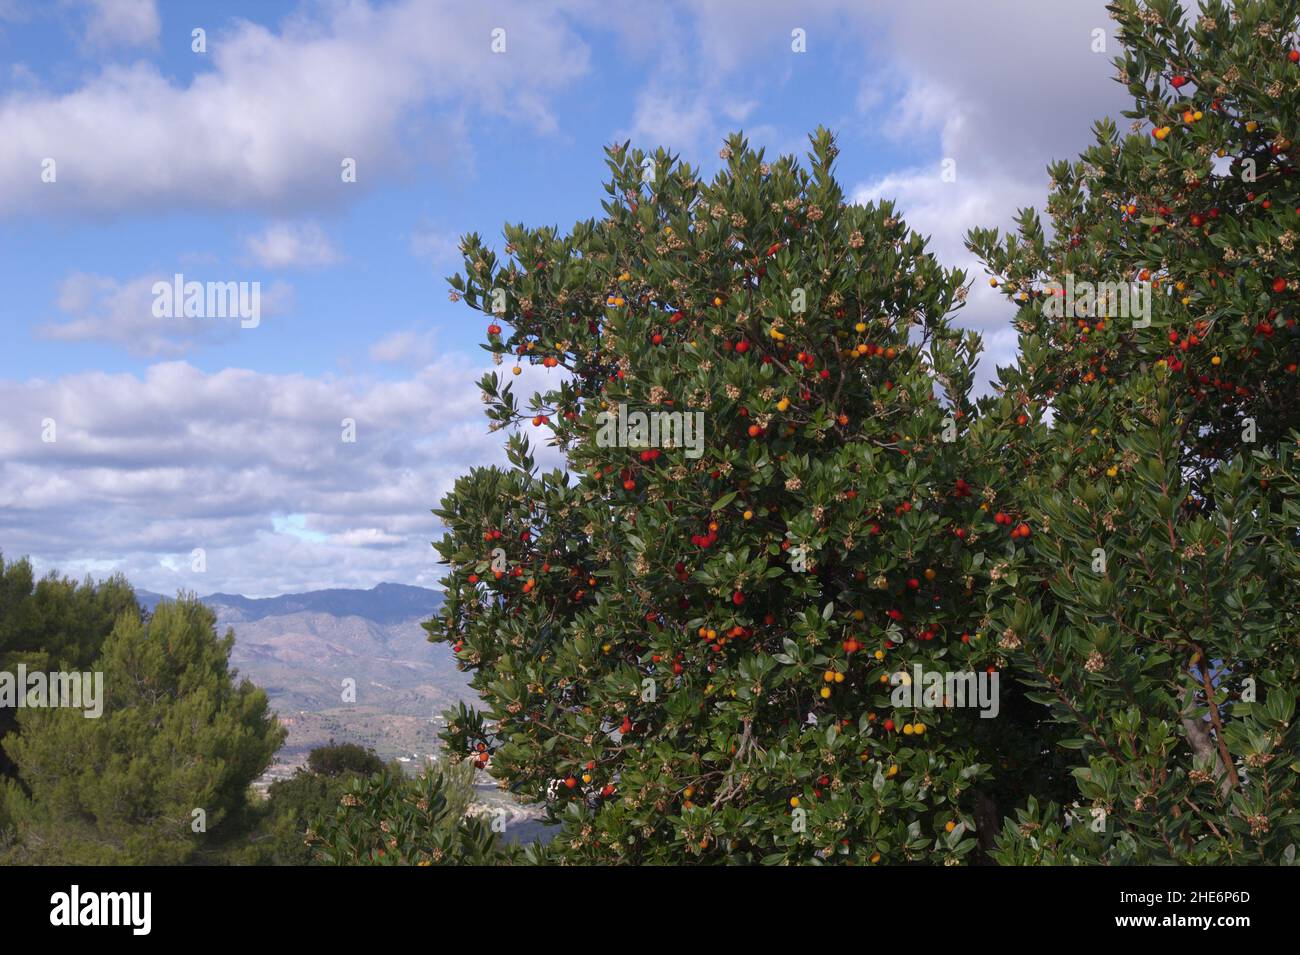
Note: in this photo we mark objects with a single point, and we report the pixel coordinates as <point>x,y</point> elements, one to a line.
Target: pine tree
<point>53,624</point>
<point>162,776</point>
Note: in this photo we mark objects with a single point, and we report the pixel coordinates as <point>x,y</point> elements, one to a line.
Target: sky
<point>207,453</point>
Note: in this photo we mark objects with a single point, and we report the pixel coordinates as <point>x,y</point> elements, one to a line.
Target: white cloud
<point>367,537</point>
<point>707,61</point>
<point>675,121</point>
<point>1009,85</point>
<point>1005,88</point>
<point>250,467</point>
<point>407,347</point>
<point>112,23</point>
<point>100,308</point>
<point>270,123</point>
<point>285,245</point>
<point>439,248</point>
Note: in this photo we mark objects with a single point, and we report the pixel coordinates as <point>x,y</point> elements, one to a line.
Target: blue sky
<point>174,436</point>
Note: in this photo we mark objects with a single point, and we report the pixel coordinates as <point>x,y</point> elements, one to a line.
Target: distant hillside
<point>301,648</point>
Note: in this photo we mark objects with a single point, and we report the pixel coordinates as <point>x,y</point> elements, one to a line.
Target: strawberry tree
<point>685,648</point>
<point>1200,204</point>
<point>390,819</point>
<point>1154,610</point>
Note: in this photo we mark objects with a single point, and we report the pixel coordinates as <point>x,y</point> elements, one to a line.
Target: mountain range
<point>305,650</point>
<point>383,603</point>
<point>352,665</point>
